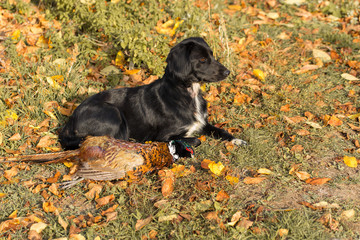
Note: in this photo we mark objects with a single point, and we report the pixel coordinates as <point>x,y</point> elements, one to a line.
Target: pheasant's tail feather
<point>43,158</point>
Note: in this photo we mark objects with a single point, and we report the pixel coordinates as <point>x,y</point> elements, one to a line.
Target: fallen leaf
<point>167,186</point>
<point>302,175</point>
<point>38,227</point>
<point>350,161</point>
<point>95,190</point>
<point>317,181</point>
<point>104,200</point>
<point>232,180</point>
<point>55,178</point>
<point>302,132</point>
<point>212,216</point>
<point>216,168</point>
<point>54,189</point>
<point>297,148</point>
<point>8,174</point>
<point>76,237</point>
<point>49,207</point>
<point>45,141</point>
<point>334,121</point>
<point>259,74</point>
<point>244,224</point>
<point>120,59</point>
<point>2,195</point>
<point>167,218</point>
<point>348,214</point>
<point>152,234</point>
<point>13,214</point>
<point>285,108</point>
<point>131,72</point>
<point>264,171</point>
<point>283,232</point>
<point>205,163</point>
<point>313,124</point>
<point>110,216</point>
<point>15,137</point>
<point>253,180</point>
<point>62,222</point>
<point>235,218</point>
<point>323,56</point>
<point>349,77</point>
<point>222,196</point>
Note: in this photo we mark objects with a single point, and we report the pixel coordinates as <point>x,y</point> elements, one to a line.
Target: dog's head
<point>192,61</point>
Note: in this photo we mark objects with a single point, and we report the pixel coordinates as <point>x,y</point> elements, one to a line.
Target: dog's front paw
<point>239,142</point>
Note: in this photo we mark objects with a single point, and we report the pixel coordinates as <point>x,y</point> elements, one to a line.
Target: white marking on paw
<point>239,142</point>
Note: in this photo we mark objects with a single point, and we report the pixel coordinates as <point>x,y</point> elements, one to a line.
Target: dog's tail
<point>43,158</point>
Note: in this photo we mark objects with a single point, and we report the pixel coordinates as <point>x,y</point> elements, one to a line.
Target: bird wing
<point>113,165</point>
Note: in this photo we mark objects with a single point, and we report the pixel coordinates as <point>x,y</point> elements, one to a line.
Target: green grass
<point>88,40</point>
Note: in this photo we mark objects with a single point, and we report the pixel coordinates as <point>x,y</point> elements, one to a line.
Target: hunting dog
<point>170,108</point>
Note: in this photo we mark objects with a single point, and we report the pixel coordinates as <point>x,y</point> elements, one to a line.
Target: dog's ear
<point>178,61</point>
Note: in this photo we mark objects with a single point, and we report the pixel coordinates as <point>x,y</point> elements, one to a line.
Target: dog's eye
<point>203,60</point>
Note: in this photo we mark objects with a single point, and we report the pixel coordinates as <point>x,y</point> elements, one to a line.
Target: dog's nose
<point>226,73</point>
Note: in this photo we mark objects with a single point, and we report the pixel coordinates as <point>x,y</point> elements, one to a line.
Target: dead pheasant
<point>105,158</point>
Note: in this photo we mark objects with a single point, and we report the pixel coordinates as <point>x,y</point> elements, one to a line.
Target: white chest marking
<point>200,117</point>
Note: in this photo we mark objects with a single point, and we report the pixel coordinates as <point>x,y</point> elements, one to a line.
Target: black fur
<point>168,109</point>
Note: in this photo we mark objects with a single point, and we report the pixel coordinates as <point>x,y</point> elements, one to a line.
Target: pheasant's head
<point>179,148</point>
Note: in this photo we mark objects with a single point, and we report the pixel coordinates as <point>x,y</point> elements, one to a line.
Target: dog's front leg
<point>218,133</point>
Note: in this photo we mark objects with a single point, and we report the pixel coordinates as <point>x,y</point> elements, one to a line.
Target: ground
<point>293,95</point>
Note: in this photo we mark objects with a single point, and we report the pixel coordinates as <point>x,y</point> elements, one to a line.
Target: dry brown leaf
<point>244,223</point>
<point>222,196</point>
<point>212,216</point>
<point>152,234</point>
<point>95,190</point>
<point>15,137</point>
<point>140,223</point>
<point>55,178</point>
<point>77,237</point>
<point>253,180</point>
<point>205,163</point>
<point>317,181</point>
<point>8,174</point>
<point>302,132</point>
<point>49,207</point>
<point>62,222</point>
<point>297,148</point>
<point>104,200</point>
<point>45,141</point>
<point>334,121</point>
<point>285,108</point>
<point>167,186</point>
<point>110,209</point>
<point>54,189</point>
<point>302,175</point>
<point>111,216</point>
<point>283,232</point>
<point>168,218</point>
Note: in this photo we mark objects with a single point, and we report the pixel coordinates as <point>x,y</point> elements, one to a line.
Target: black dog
<point>170,108</point>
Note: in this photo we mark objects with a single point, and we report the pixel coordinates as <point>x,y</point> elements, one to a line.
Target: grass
<point>87,38</point>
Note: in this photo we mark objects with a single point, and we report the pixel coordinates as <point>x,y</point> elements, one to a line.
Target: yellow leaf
<point>50,114</point>
<point>203,87</point>
<point>234,7</point>
<point>264,171</point>
<point>120,59</point>
<point>13,214</point>
<point>216,168</point>
<point>259,74</point>
<point>16,35</point>
<point>232,180</point>
<point>2,195</point>
<point>68,164</point>
<point>52,83</point>
<point>42,42</point>
<point>354,116</point>
<point>350,161</point>
<point>58,78</point>
<point>131,72</point>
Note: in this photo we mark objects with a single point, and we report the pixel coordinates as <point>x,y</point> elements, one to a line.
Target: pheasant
<point>106,158</point>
